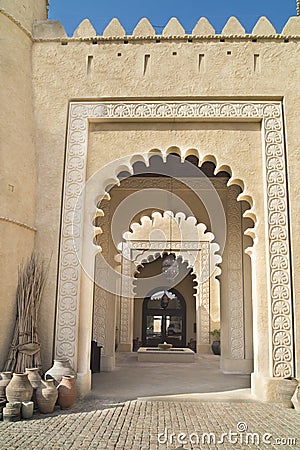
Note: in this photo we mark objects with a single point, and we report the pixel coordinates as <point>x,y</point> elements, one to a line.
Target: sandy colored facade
<point>79,111</point>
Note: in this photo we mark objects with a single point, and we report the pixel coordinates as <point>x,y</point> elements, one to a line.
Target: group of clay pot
<point>27,391</point>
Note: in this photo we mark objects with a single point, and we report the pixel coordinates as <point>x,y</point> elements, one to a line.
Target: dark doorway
<point>164,318</point>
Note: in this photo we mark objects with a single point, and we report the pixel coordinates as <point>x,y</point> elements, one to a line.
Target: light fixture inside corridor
<point>170,267</point>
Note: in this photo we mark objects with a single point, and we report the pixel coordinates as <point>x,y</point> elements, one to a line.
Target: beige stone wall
<point>25,11</point>
<point>17,168</point>
<point>114,69</point>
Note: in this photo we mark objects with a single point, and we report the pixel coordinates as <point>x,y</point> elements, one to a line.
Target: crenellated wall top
<point>144,30</point>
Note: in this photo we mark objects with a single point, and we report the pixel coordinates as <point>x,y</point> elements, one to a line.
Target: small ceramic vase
<point>46,396</point>
<point>67,392</point>
<point>35,381</point>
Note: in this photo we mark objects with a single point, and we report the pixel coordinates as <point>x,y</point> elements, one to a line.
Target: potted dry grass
<point>25,347</point>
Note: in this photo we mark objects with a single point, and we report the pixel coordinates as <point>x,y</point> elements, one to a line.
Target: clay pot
<point>60,368</point>
<point>34,377</point>
<point>19,389</point>
<point>46,396</point>
<point>296,399</point>
<point>67,392</point>
<point>286,390</point>
<point>35,381</point>
<point>5,380</point>
<point>216,347</point>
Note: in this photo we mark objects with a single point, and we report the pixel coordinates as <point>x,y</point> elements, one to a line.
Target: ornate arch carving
<point>72,243</point>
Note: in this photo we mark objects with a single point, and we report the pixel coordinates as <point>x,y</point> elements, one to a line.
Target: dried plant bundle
<point>25,348</point>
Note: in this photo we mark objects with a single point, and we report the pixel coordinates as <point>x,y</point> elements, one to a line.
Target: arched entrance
<point>144,257</point>
<point>164,318</point>
<point>271,280</point>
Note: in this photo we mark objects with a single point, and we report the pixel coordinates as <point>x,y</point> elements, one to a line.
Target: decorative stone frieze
<point>204,294</point>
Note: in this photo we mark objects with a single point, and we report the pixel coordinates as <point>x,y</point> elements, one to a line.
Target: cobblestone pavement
<point>135,425</point>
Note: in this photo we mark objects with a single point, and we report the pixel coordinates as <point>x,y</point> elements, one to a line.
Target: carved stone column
<point>104,302</point>
<point>232,316</point>
<point>127,305</point>
<point>100,305</point>
<point>202,267</point>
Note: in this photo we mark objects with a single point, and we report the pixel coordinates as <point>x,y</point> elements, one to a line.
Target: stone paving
<point>114,416</point>
<point>143,425</point>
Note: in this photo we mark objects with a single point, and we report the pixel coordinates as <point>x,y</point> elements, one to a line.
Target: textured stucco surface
<point>25,11</point>
<point>42,77</point>
<point>116,71</point>
<point>17,168</point>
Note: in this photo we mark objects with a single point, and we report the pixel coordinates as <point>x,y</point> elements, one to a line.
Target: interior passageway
<point>132,379</point>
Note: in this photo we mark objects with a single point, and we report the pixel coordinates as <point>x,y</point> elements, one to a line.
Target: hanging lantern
<point>170,267</point>
<point>164,303</point>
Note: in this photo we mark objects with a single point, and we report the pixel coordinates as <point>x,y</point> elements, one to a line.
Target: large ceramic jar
<point>67,392</point>
<point>60,368</point>
<point>5,379</point>
<point>286,390</point>
<point>35,381</point>
<point>19,389</point>
<point>46,396</point>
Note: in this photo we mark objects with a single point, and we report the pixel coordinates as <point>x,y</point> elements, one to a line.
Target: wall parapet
<point>203,30</point>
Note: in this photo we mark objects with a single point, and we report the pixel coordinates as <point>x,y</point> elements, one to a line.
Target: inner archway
<point>235,283</point>
<point>174,307</point>
<point>164,318</point>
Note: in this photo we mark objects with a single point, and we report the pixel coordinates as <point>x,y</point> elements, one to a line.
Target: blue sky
<point>129,12</point>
